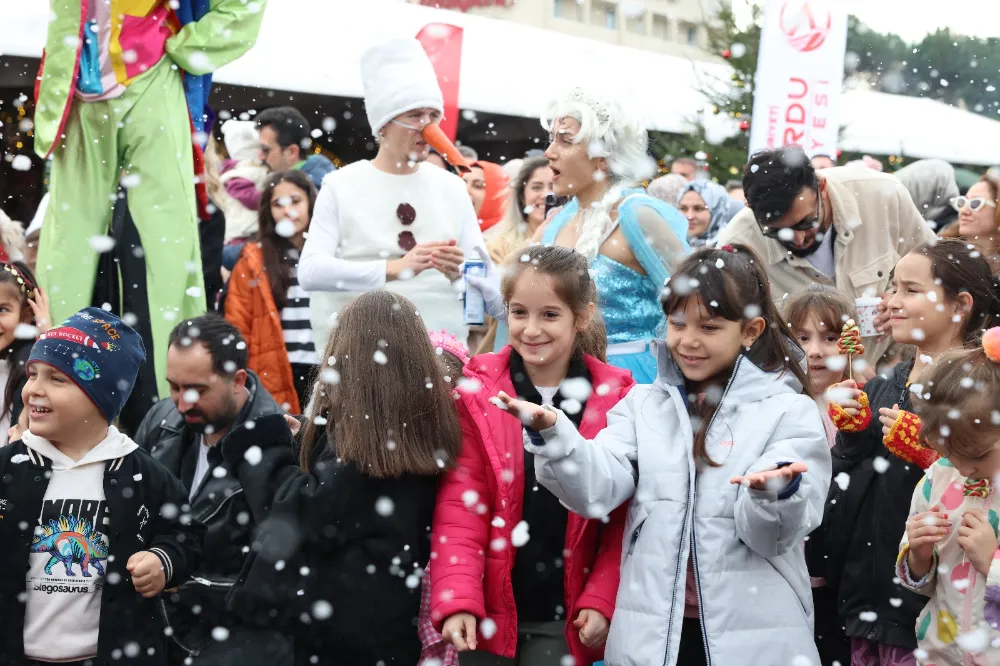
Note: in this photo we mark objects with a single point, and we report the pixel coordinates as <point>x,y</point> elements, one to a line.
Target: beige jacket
<point>876,224</point>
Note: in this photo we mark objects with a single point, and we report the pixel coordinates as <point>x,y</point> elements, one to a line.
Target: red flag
<point>443,44</point>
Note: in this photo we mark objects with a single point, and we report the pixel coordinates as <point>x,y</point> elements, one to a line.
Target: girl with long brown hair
<point>723,466</point>
<point>345,520</point>
<point>264,299</point>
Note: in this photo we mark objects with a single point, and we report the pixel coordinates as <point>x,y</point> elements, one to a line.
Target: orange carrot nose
<point>440,142</point>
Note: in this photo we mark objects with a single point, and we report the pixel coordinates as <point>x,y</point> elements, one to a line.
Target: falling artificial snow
<point>253,455</point>
<point>384,506</point>
<point>101,244</point>
<point>21,163</point>
<point>520,535</point>
<point>285,228</point>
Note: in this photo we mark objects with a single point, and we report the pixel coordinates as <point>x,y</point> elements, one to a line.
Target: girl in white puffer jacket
<point>727,467</point>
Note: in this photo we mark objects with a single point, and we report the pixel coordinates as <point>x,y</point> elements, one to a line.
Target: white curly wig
<point>614,133</point>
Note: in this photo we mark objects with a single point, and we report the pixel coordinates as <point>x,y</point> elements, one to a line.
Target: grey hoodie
<point>745,545</point>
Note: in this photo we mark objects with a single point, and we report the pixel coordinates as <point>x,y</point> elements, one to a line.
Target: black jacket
<point>131,483</point>
<point>351,550</point>
<point>856,547</point>
<point>17,356</point>
<point>221,505</point>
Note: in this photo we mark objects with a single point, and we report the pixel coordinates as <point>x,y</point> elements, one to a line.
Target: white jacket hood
<point>115,445</point>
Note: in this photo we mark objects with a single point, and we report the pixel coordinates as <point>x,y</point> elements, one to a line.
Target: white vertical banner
<point>800,73</point>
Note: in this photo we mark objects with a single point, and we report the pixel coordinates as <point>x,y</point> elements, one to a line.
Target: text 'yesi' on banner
<point>800,71</point>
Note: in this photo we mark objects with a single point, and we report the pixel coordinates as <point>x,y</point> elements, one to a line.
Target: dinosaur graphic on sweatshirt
<point>71,540</point>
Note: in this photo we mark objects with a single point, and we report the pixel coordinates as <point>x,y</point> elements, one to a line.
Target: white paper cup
<point>867,307</point>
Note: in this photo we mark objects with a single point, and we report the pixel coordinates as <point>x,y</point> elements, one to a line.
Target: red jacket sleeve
<point>460,535</point>
<point>601,589</point>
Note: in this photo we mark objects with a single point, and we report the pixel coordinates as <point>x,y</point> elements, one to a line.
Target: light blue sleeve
<point>656,233</point>
<point>558,221</point>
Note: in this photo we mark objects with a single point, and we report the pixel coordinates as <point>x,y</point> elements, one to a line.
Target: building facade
<point>672,27</point>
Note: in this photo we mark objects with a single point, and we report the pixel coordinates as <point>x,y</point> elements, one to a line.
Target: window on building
<point>689,32</point>
<point>636,23</point>
<point>604,14</point>
<point>568,9</point>
<point>661,27</point>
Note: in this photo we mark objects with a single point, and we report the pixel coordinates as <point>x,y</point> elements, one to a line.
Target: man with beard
<point>845,227</point>
<point>212,397</point>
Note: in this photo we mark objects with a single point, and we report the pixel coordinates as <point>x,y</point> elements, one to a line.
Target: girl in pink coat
<point>516,578</point>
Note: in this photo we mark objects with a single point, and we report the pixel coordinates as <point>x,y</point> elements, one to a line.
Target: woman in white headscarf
<point>632,241</point>
<point>706,205</point>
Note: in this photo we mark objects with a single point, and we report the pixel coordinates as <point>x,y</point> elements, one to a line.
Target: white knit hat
<point>241,139</point>
<point>398,77</point>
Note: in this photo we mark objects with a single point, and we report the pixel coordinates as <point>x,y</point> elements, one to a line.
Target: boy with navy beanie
<point>92,528</point>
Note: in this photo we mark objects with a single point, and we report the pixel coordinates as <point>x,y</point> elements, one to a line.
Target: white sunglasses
<point>974,204</point>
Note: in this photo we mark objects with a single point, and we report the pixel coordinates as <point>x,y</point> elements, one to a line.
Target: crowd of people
<point>701,423</point>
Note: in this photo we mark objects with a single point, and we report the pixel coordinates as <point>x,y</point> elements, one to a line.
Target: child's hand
<point>147,573</point>
<point>39,302</point>
<point>460,631</point>
<point>530,414</point>
<point>758,480</point>
<point>293,424</point>
<point>593,628</point>
<point>923,532</point>
<point>883,319</point>
<point>888,417</point>
<point>844,394</point>
<point>978,540</point>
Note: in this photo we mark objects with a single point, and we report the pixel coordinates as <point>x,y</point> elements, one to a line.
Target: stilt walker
<point>120,98</point>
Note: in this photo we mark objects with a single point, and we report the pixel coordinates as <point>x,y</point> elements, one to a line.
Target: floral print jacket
<point>959,625</point>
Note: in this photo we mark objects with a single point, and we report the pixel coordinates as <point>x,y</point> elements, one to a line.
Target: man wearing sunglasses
<point>845,227</point>
<point>393,222</point>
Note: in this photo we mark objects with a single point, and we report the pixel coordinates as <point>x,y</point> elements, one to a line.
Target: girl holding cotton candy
<point>943,297</point>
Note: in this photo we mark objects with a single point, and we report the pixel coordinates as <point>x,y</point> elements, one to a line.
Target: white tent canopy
<point>507,68</point>
<point>917,127</point>
<point>315,46</point>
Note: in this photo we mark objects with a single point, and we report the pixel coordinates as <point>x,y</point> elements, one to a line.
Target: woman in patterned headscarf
<point>706,206</point>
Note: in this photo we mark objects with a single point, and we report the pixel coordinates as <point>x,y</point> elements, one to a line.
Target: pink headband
<point>449,343</point>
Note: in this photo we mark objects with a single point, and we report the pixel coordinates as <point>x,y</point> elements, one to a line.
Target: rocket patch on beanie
<point>99,352</point>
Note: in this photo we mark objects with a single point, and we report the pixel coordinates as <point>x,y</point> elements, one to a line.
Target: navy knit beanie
<point>98,352</point>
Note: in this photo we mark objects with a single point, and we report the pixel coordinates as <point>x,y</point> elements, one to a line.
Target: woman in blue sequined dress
<point>633,241</point>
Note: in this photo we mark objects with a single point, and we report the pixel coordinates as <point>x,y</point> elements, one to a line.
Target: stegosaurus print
<point>71,540</point>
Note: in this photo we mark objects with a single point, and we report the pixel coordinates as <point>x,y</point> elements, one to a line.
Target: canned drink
<point>474,304</point>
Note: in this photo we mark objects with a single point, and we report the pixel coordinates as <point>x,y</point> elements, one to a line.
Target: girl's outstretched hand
<point>531,415</point>
<point>758,480</point>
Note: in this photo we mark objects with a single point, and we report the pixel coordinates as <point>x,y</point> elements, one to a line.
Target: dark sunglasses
<point>807,224</point>
<point>406,215</point>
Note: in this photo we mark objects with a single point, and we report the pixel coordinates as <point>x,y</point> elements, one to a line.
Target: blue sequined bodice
<point>630,302</point>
